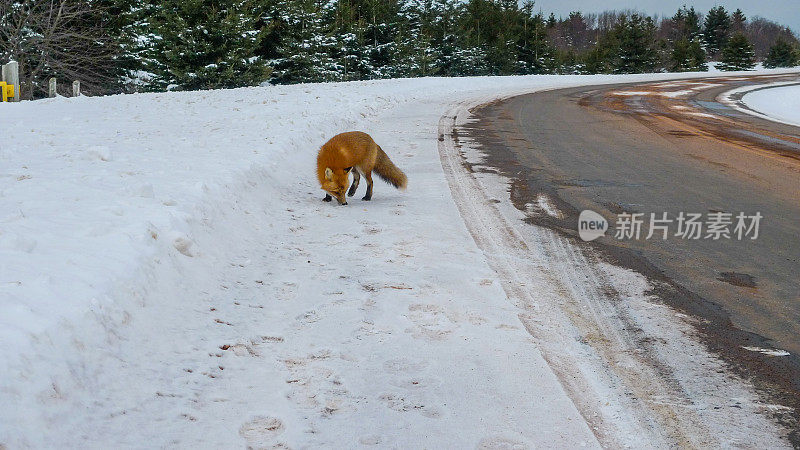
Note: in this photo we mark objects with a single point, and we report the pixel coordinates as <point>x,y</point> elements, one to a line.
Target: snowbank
<point>778,103</point>
<point>170,277</point>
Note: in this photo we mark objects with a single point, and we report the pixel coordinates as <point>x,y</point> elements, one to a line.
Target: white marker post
<point>11,76</point>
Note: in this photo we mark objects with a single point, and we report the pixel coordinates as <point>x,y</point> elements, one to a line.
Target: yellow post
<point>6,91</point>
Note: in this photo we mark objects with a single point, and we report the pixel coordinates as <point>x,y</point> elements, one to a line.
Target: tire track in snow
<point>613,370</point>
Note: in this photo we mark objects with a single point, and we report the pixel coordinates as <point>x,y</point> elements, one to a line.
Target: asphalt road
<point>672,147</point>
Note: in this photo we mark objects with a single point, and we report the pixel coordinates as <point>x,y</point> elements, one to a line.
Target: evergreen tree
<point>534,52</point>
<point>716,30</point>
<point>202,44</point>
<point>738,54</point>
<point>738,20</point>
<point>469,61</point>
<point>596,60</point>
<point>688,56</point>
<point>781,55</point>
<point>631,46</point>
<point>683,34</point>
<point>349,27</point>
<point>117,20</point>
<point>692,24</point>
<point>380,27</point>
<point>686,24</point>
<point>551,21</point>
<point>449,41</point>
<point>307,48</point>
<point>418,53</point>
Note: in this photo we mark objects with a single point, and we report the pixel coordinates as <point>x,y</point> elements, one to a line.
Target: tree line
<point>153,45</point>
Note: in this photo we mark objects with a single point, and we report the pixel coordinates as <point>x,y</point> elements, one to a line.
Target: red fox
<point>354,150</point>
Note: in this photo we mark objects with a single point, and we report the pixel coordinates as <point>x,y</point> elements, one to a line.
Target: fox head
<point>336,183</point>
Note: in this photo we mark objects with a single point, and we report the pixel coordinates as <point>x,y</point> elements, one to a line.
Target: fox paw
<point>327,198</point>
<point>366,198</point>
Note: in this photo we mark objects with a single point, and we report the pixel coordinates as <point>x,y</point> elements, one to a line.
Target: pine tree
<point>688,56</point>
<point>738,20</point>
<point>117,20</point>
<point>447,39</point>
<point>418,54</point>
<point>781,55</point>
<point>306,49</point>
<point>738,54</point>
<point>551,21</point>
<point>716,30</point>
<point>380,20</point>
<point>351,54</point>
<point>469,61</point>
<point>202,44</point>
<point>535,55</point>
<point>686,24</point>
<point>687,52</point>
<point>631,46</point>
<point>596,60</point>
<point>692,24</point>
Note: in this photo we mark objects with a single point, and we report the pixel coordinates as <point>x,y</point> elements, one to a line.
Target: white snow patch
<point>781,104</point>
<point>768,351</point>
<point>377,322</point>
<point>777,106</point>
<point>700,114</point>
<point>99,152</point>
<point>545,204</point>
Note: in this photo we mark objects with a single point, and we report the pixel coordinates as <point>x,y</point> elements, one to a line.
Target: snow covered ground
<point>169,277</point>
<point>777,103</point>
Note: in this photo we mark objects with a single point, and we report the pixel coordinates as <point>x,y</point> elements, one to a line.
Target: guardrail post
<point>10,75</point>
<point>52,88</point>
<point>76,88</point>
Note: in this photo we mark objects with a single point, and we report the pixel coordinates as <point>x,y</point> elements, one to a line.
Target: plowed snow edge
<point>629,363</point>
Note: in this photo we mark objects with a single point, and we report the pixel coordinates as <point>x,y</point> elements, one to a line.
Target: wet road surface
<point>672,147</point>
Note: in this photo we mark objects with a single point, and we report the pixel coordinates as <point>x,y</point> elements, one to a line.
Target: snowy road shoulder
<point>171,276</point>
<point>778,102</point>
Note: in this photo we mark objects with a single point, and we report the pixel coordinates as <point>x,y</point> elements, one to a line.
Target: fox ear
<point>348,169</point>
<point>328,174</point>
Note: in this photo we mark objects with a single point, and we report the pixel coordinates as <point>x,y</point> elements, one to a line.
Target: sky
<point>785,12</point>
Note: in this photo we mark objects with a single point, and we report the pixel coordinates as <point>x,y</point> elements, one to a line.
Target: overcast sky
<point>785,12</point>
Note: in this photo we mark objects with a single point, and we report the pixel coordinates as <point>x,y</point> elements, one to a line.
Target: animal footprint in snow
<point>399,365</point>
<point>415,383</point>
<point>399,403</point>
<point>308,317</point>
<point>431,322</point>
<point>500,443</point>
<point>288,291</point>
<point>372,230</point>
<point>261,431</point>
<point>366,440</point>
<point>240,349</point>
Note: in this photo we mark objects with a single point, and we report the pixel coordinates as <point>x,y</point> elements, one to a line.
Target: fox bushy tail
<point>388,172</point>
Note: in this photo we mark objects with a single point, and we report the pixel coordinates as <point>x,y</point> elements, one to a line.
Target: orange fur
<point>357,151</point>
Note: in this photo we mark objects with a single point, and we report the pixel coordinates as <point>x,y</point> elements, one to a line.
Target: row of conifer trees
<point>196,44</point>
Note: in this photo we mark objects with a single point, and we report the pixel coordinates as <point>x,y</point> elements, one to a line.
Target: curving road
<point>672,147</point>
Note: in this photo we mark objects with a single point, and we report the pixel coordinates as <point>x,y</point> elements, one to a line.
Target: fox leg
<point>368,176</point>
<point>354,186</point>
<point>327,198</point>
